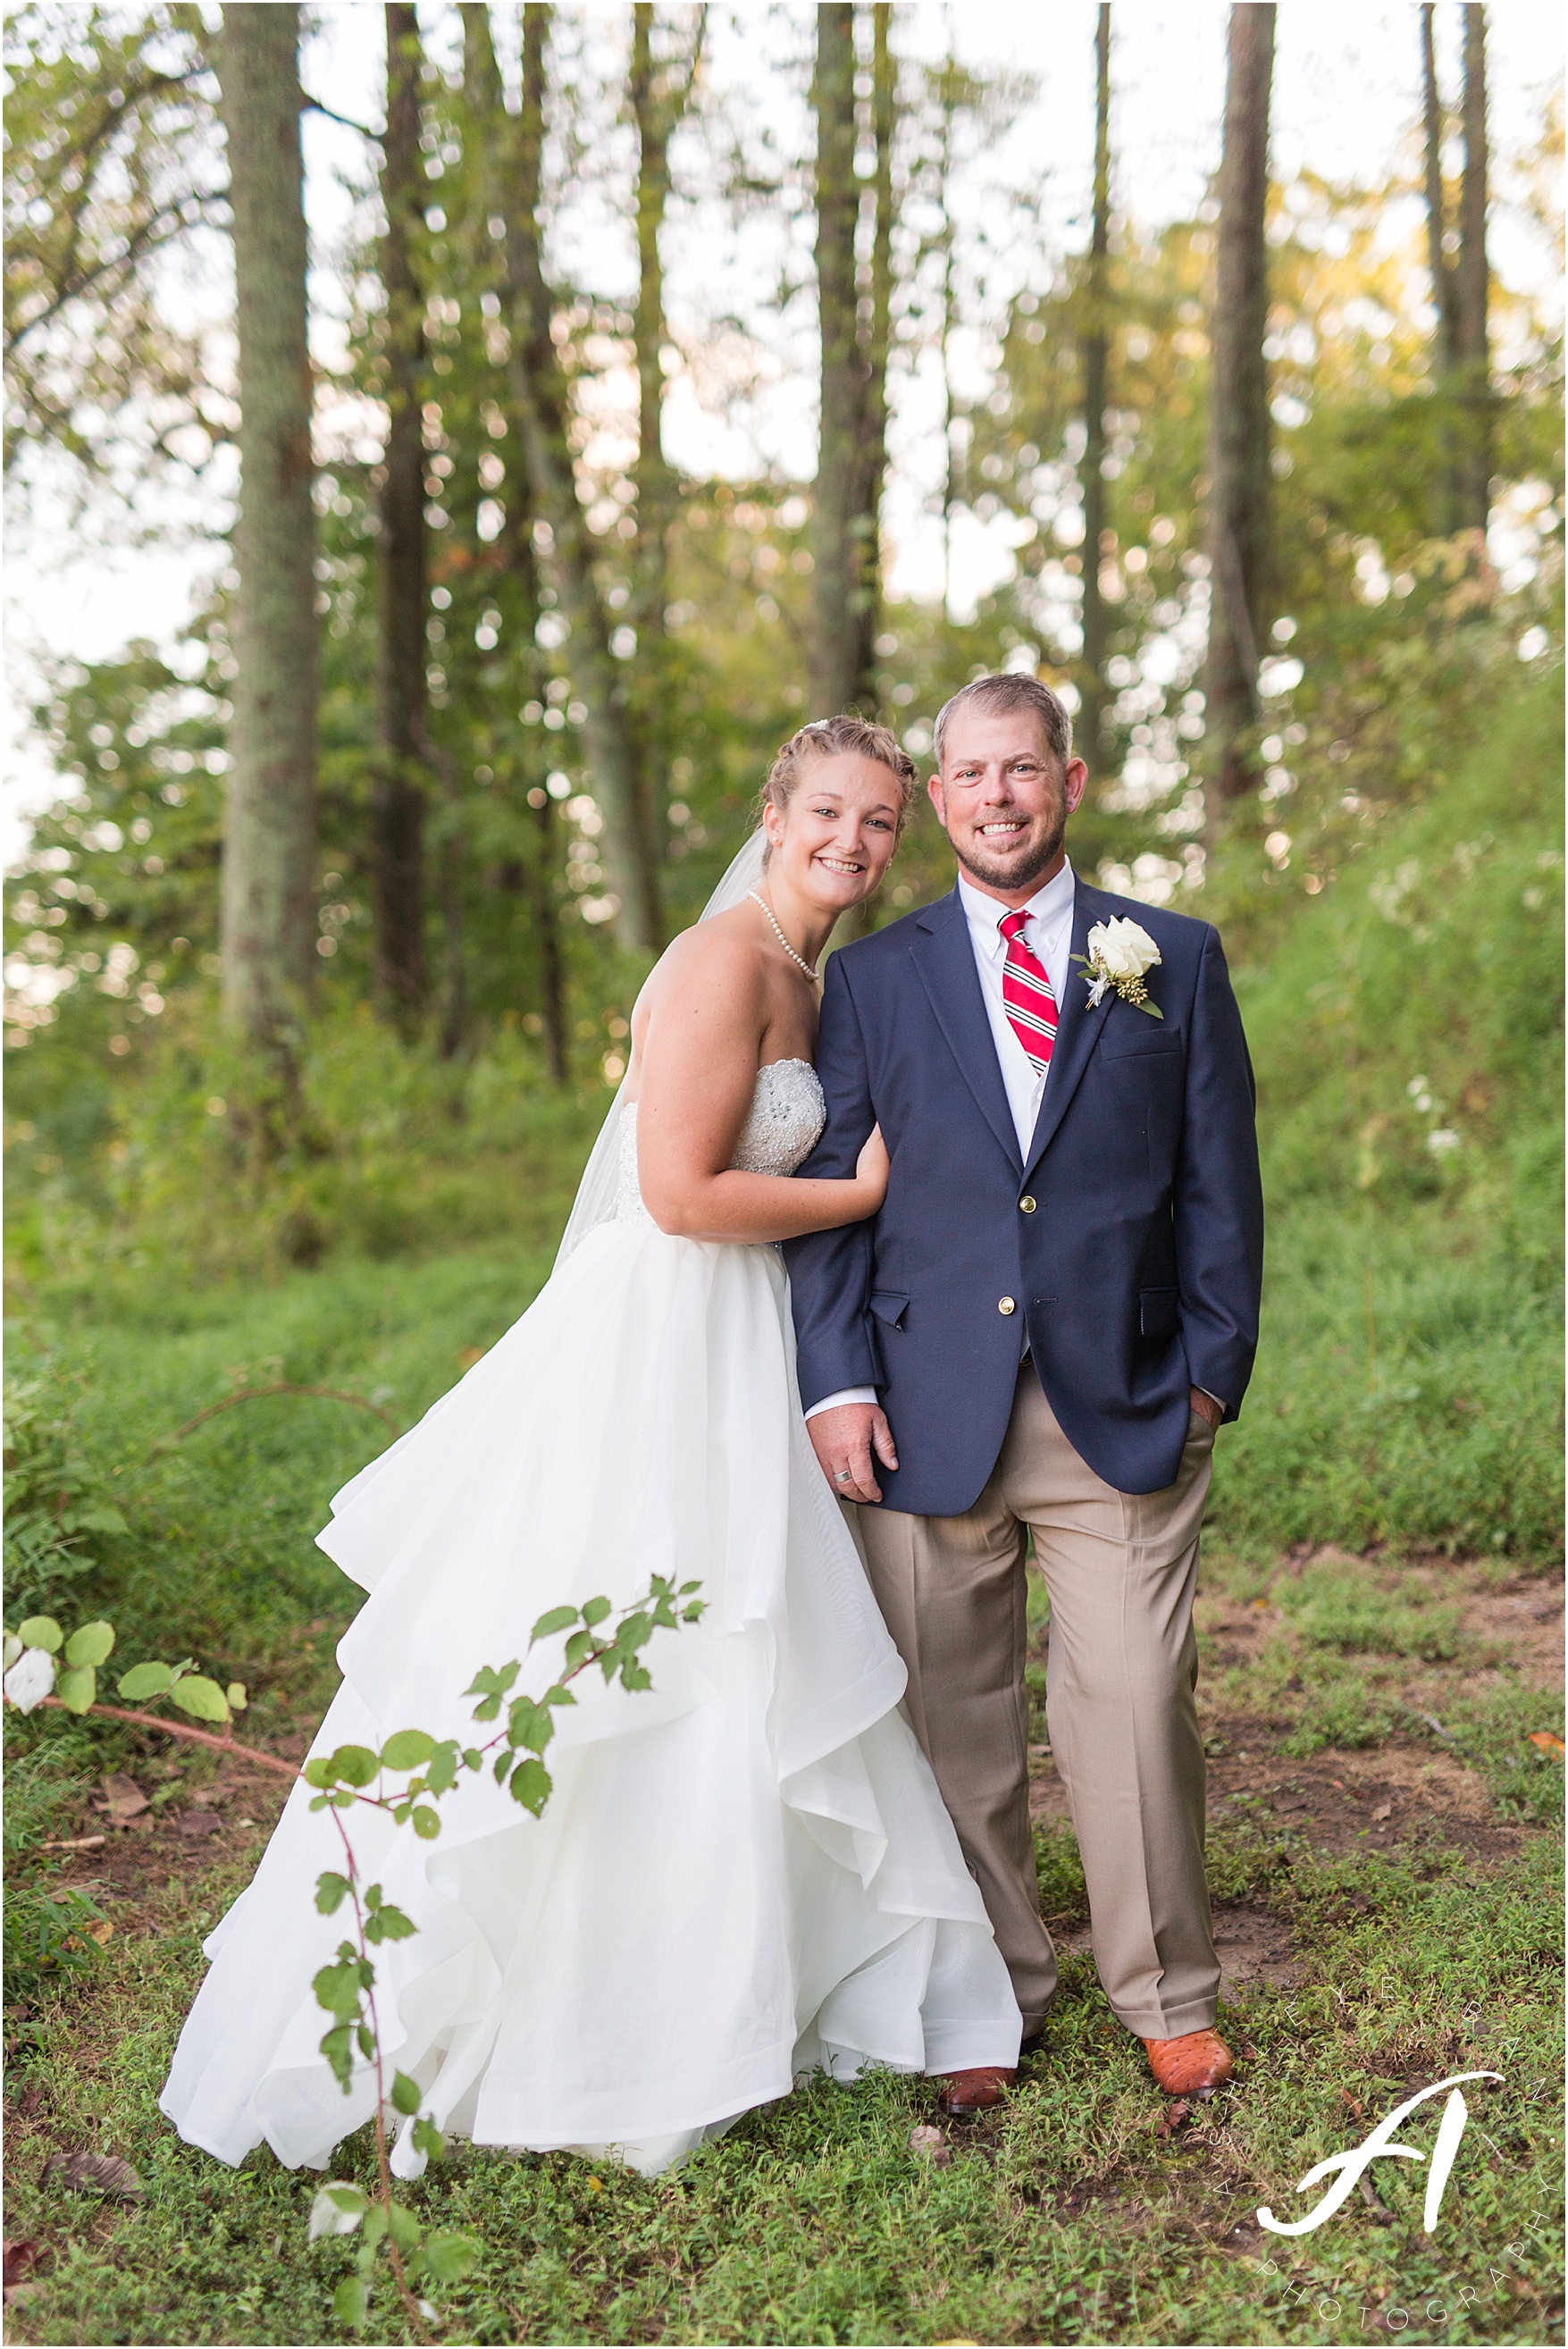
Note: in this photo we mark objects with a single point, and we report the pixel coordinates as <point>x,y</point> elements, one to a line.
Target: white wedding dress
<point>743,1875</point>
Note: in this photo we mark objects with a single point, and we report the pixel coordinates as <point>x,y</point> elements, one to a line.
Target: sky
<point>1346,103</point>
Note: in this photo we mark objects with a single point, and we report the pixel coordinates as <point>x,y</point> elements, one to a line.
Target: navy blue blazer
<point>1128,1240</point>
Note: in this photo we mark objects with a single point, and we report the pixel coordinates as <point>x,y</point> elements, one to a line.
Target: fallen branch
<point>253,1394</point>
<point>193,1737</point>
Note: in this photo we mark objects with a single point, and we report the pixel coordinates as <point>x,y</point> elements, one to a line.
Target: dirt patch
<point>1388,1798</point>
<point>1522,1627</point>
<point>1254,1947</point>
<point>226,1818</point>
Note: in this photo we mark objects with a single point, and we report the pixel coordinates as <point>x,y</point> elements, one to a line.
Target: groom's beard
<point>1021,872</point>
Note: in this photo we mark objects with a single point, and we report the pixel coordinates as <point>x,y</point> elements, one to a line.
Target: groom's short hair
<point>1002,693</point>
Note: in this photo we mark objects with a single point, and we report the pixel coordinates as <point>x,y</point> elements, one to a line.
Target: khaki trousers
<point>1119,1569</point>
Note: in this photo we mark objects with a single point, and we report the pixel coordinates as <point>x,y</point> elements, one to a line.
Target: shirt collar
<point>1046,907</point>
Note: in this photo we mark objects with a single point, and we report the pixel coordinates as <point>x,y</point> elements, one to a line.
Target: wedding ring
<point>845,1476</point>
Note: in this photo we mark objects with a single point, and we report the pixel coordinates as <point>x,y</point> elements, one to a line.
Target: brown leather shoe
<point>964,2093</point>
<point>1194,2065</point>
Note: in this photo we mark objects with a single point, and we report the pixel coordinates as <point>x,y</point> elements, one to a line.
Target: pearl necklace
<point>778,933</point>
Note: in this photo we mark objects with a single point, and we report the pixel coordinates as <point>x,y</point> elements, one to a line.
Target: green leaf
<point>77,1689</point>
<point>143,1680</point>
<point>404,2092</point>
<point>41,1631</point>
<point>530,1784</point>
<point>502,1765</point>
<point>579,1648</point>
<point>595,1611</point>
<point>367,2039</point>
<point>91,1644</point>
<point>428,2140</point>
<point>389,1924</point>
<point>331,1891</point>
<point>353,1766</point>
<point>406,1749</point>
<point>235,1693</point>
<point>337,1988</point>
<point>529,1725</point>
<point>351,2302</point>
<point>473,1758</point>
<point>407,2231</point>
<point>558,1620</point>
<point>635,1676</point>
<point>450,2258</point>
<point>635,1632</point>
<point>201,1697</point>
<point>102,1518</point>
<point>317,1771</point>
<point>427,1823</point>
<point>13,1649</point>
<point>558,1696</point>
<point>337,2047</point>
<point>442,1774</point>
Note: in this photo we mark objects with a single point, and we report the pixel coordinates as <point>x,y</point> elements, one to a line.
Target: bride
<point>746,1874</point>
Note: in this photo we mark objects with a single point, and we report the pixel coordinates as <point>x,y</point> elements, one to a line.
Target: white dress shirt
<point>1048,934</point>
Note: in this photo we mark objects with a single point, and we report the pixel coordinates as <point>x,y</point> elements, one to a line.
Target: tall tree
<point>853,443</point>
<point>1473,484</point>
<point>268,837</point>
<point>398,806</point>
<point>541,404</point>
<point>657,99</point>
<point>1096,350</point>
<point>1239,474</point>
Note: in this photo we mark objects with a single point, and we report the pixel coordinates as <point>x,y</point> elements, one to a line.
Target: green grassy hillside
<point>1405,1027</point>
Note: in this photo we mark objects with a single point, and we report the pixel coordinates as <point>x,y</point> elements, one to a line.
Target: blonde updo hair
<point>833,738</point>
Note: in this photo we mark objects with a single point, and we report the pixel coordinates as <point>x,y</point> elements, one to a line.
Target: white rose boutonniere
<point>1120,952</point>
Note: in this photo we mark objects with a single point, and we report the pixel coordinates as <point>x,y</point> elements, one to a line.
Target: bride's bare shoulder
<point>720,961</point>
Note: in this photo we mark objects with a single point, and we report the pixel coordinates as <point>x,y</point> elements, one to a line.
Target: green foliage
<point>1408,1388</point>
<point>59,1520</point>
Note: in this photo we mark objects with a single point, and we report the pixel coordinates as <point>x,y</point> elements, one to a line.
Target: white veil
<point>596,1193</point>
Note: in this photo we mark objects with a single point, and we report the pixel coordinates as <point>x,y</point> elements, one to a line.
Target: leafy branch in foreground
<point>43,1667</point>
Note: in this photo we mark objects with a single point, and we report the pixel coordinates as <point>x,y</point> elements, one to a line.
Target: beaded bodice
<point>788,1113</point>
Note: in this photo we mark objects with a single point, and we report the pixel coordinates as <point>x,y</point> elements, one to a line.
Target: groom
<point>1038,1335</point>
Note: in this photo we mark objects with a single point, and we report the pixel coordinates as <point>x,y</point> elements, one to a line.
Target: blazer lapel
<point>1078,1029</point>
<point>944,958</point>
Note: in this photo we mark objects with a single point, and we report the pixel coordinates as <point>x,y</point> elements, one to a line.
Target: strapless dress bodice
<point>788,1114</point>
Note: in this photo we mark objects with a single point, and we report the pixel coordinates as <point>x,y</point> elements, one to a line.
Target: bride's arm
<point>698,1076</point>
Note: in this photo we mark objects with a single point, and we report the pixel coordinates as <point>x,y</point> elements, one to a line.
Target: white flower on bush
<point>30,1679</point>
<point>1441,1140</point>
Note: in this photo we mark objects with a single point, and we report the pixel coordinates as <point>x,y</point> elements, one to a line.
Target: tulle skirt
<point>743,1875</point>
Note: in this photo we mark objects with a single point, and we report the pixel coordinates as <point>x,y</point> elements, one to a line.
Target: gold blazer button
<point>1026,1205</point>
<point>1007,1305</point>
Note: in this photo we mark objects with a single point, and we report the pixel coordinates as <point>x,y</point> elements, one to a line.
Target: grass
<point>1377,1632</point>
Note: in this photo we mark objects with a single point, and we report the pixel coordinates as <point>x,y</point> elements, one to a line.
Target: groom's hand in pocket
<point>845,1440</point>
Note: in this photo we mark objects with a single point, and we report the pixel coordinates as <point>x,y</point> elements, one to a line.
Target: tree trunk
<point>1473,483</point>
<point>1239,479</point>
<point>836,582</point>
<point>658,100</point>
<point>878,342</point>
<point>547,931</point>
<point>1446,351</point>
<point>541,405</point>
<point>269,834</point>
<point>398,806</point>
<point>1096,351</point>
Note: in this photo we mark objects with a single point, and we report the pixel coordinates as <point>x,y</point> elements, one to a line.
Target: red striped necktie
<point>1030,1006</point>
